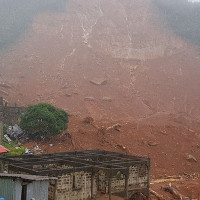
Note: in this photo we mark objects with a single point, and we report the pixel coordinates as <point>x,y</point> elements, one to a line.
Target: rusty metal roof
<point>3,149</point>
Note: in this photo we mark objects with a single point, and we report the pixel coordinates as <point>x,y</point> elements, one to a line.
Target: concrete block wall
<point>138,175</point>
<point>74,186</point>
<point>52,189</point>
<point>138,178</point>
<point>77,185</point>
<point>102,182</point>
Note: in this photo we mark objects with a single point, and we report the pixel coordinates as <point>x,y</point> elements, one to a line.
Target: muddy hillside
<point>106,59</point>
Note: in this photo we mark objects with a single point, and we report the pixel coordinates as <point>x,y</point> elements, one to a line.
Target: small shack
<point>23,187</point>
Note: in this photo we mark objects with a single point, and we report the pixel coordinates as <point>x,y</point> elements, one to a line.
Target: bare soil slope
<point>174,150</point>
<point>107,59</point>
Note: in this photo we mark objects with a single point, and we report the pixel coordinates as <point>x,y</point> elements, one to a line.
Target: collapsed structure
<point>9,114</point>
<point>82,174</point>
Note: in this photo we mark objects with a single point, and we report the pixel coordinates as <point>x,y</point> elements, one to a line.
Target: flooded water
<point>16,16</point>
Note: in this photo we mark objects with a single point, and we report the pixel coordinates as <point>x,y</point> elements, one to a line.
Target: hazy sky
<point>194,1</point>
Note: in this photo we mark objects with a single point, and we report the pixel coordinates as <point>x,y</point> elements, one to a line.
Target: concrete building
<point>81,175</point>
<point>23,187</point>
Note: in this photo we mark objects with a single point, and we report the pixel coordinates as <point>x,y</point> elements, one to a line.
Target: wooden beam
<point>126,186</point>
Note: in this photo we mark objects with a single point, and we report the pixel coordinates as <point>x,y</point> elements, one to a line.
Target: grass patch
<point>14,148</point>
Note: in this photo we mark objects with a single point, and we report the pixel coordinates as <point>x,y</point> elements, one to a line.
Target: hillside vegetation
<point>182,17</point>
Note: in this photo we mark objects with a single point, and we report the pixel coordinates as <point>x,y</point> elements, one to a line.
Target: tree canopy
<point>43,120</point>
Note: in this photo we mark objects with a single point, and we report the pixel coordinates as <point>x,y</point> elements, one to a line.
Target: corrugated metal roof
<point>26,177</point>
<point>3,149</point>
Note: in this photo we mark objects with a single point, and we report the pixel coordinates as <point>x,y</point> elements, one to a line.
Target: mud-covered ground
<point>110,60</point>
<point>169,148</point>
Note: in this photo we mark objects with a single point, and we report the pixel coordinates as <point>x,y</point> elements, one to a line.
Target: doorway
<point>24,192</point>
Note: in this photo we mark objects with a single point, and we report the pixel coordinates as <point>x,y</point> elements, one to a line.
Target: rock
<point>121,146</point>
<point>88,120</point>
<point>65,86</point>
<point>164,132</point>
<point>99,82</point>
<point>152,144</point>
<point>89,99</point>
<point>21,76</point>
<point>191,158</point>
<point>114,127</point>
<point>68,94</point>
<point>107,99</point>
<point>4,85</point>
<point>76,93</point>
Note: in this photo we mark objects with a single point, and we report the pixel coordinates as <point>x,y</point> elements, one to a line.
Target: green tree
<point>43,120</point>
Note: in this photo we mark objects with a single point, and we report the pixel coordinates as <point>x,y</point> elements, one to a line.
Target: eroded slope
<point>107,59</point>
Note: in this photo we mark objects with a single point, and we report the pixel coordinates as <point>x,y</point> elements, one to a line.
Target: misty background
<point>16,16</point>
<point>182,17</point>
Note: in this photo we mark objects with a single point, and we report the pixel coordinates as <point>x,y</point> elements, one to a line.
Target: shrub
<point>43,120</point>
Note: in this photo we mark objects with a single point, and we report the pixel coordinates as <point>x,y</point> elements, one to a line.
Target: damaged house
<point>83,175</point>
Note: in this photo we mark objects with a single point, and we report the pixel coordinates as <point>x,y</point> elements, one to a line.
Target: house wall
<point>9,189</point>
<point>38,190</point>
<point>138,178</point>
<point>75,186</point>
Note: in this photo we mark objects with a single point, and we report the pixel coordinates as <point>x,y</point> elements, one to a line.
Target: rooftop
<point>68,162</point>
<point>25,177</point>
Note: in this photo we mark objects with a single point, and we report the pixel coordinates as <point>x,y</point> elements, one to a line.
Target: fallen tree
<point>174,192</point>
<point>159,197</point>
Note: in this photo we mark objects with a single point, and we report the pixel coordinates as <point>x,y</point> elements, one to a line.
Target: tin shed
<point>23,187</point>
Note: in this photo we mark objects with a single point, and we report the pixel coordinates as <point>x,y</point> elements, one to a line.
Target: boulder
<point>88,120</point>
<point>98,82</point>
<point>107,99</point>
<point>68,95</point>
<point>89,99</point>
<point>152,144</point>
<point>65,86</point>
<point>191,158</point>
<point>114,127</point>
